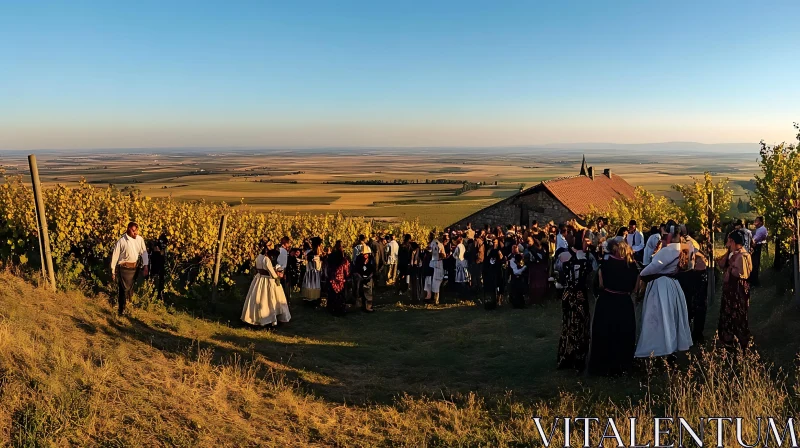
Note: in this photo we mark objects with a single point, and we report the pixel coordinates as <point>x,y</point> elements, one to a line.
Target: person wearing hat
<point>363,273</point>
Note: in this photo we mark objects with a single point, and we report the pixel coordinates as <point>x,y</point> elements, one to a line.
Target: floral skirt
<point>733,322</point>
<point>575,322</point>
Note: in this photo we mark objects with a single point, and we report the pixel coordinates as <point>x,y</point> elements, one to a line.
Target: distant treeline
<point>276,181</point>
<point>268,173</point>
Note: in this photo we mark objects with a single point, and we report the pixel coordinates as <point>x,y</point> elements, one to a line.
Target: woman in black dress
<point>575,319</point>
<point>493,285</point>
<point>614,326</point>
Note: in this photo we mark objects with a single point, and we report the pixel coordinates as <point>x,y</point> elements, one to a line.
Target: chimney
<point>591,172</point>
<point>607,172</point>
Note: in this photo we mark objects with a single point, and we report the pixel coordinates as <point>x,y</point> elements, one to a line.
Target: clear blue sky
<point>79,74</point>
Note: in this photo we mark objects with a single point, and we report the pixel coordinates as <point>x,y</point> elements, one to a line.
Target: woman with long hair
<point>614,325</point>
<point>538,262</point>
<point>338,270</point>
<point>573,345</point>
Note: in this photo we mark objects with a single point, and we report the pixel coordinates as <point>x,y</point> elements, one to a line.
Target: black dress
<point>575,319</point>
<point>492,278</point>
<point>614,326</point>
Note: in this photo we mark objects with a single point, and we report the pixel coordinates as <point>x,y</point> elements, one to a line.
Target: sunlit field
<point>305,181</point>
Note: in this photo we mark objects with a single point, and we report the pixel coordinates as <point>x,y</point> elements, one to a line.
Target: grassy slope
<point>71,372</point>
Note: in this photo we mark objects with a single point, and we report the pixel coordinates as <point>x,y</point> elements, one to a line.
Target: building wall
<point>503,213</point>
<point>539,205</point>
<point>543,207</point>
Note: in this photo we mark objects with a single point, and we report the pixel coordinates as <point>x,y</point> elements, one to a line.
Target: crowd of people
<point>664,269</point>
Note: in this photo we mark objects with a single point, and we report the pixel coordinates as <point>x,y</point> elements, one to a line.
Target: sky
<point>82,74</point>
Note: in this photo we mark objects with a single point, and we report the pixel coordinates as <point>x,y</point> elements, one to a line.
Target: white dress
<point>665,319</point>
<point>311,281</point>
<point>265,303</point>
<point>462,267</point>
<point>432,284</point>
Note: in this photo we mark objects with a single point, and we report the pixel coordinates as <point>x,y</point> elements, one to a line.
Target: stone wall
<point>503,213</point>
<point>538,205</point>
<point>543,207</point>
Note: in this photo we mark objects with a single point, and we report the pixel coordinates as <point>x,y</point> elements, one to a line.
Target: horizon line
<point>554,145</point>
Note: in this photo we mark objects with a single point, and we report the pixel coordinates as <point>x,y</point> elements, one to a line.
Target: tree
<point>740,206</point>
<point>695,202</point>
<point>645,207</point>
<point>775,190</point>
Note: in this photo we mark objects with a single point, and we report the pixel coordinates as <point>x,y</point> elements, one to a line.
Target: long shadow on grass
<point>454,349</point>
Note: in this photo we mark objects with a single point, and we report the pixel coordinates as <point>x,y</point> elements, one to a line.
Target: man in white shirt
<point>759,240</point>
<point>561,238</point>
<point>392,250</point>
<point>283,262</point>
<point>635,239</point>
<point>124,260</point>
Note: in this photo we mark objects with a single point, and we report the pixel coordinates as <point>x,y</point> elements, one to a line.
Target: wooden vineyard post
<point>711,269</point>
<point>41,250</point>
<point>41,221</point>
<point>220,242</point>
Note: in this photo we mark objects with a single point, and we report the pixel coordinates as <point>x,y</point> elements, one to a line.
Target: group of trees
<point>776,193</point>
<point>649,209</point>
<point>776,197</point>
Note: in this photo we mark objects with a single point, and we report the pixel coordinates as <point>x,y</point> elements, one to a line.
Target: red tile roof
<point>579,193</point>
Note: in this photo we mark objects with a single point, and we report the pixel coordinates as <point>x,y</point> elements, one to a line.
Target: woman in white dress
<point>665,317</point>
<point>435,274</point>
<point>266,302</point>
<point>312,284</point>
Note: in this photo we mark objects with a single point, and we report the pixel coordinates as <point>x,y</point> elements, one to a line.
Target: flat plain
<point>324,181</point>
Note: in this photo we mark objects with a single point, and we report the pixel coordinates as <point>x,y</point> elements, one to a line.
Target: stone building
<point>558,200</point>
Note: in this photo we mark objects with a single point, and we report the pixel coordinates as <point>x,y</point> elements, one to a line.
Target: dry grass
<point>72,373</point>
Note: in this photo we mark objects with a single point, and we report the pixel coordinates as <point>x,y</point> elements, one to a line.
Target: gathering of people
<point>604,281</point>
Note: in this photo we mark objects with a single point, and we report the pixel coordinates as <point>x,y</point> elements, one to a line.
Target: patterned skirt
<point>462,271</point>
<point>575,323</point>
<point>311,284</point>
<point>733,323</point>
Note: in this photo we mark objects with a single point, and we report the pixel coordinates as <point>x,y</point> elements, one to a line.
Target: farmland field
<point>321,181</point>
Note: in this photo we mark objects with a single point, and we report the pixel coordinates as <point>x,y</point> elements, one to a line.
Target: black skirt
<point>613,334</point>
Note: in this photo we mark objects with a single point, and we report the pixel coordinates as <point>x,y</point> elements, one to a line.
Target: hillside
<point>72,373</point>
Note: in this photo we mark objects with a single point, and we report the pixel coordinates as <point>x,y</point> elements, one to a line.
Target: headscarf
<point>650,248</point>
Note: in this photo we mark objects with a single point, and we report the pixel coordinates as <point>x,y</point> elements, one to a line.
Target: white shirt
<point>515,268</point>
<point>635,240</point>
<point>392,249</point>
<point>458,253</point>
<point>561,242</point>
<point>283,258</point>
<point>128,250</point>
<point>437,250</point>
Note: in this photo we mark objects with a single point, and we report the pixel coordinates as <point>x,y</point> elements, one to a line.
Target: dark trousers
<point>126,277</point>
<point>756,265</point>
<point>287,287</point>
<point>364,292</point>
